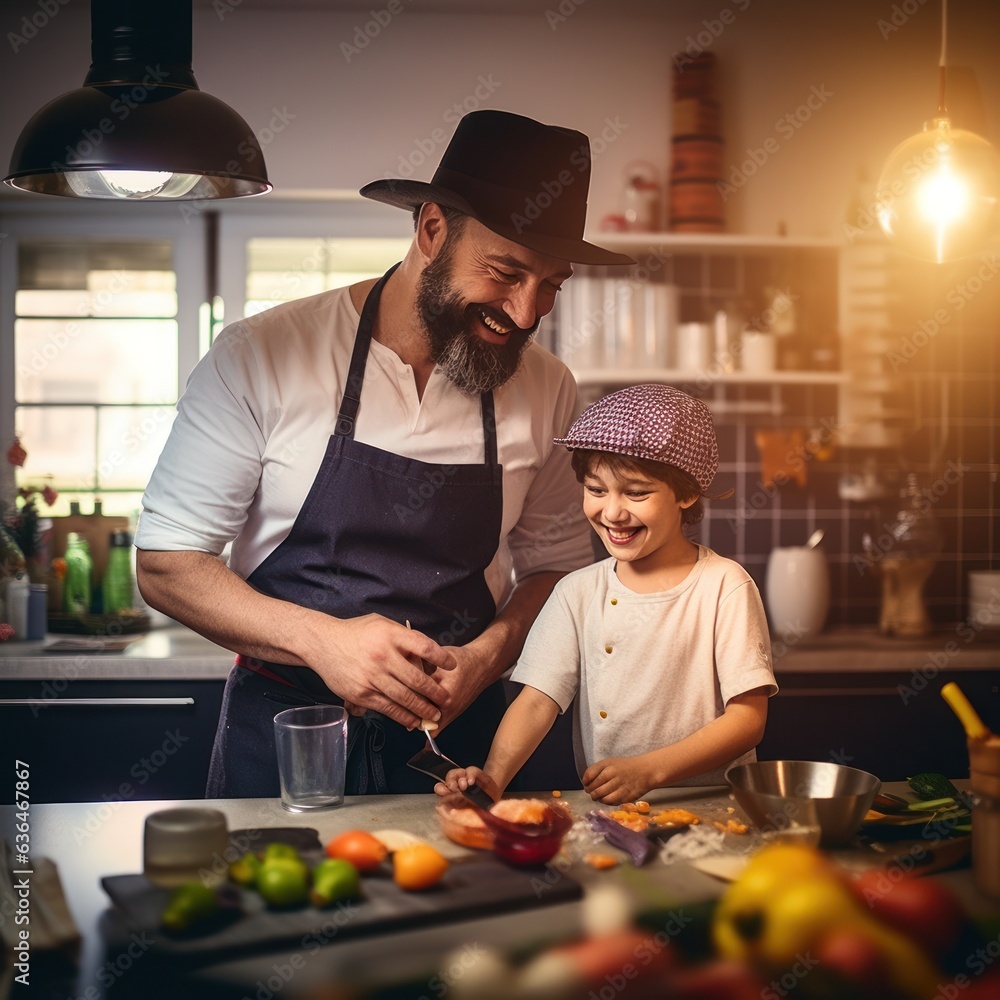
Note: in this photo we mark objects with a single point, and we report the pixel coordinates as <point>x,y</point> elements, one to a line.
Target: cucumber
<point>932,786</point>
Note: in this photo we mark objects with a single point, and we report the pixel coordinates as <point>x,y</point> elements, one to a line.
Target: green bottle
<point>79,565</point>
<point>117,584</point>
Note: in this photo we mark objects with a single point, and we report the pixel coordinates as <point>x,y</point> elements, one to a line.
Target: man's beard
<point>471,363</point>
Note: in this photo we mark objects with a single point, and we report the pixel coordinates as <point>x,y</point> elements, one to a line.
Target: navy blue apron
<point>379,533</point>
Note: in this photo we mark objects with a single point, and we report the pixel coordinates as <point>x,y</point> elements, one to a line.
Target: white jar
<point>797,592</point>
<point>18,589</point>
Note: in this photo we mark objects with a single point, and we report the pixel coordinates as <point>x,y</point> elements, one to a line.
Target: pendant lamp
<point>937,195</point>
<point>139,128</point>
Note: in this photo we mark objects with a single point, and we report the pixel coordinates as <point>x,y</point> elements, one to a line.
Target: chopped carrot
<point>601,861</point>
<point>642,806</point>
<point>556,794</point>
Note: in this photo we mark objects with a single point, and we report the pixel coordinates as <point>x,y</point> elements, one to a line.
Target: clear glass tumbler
<point>312,756</point>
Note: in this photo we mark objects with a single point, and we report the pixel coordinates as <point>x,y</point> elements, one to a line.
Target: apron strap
<point>489,428</point>
<point>348,412</point>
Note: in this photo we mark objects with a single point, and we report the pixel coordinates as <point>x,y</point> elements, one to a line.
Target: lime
<point>189,904</point>
<point>244,870</point>
<point>334,879</point>
<point>283,881</point>
<point>276,849</point>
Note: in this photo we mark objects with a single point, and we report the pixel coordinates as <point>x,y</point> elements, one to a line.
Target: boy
<point>663,648</point>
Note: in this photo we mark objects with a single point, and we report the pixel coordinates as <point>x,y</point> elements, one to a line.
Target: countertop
<point>177,653</point>
<point>90,840</point>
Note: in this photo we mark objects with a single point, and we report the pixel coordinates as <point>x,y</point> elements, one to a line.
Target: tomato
<point>923,909</point>
<point>283,881</point>
<point>359,847</point>
<point>418,866</point>
<point>854,955</point>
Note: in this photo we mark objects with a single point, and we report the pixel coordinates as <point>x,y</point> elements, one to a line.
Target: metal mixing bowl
<point>779,795</point>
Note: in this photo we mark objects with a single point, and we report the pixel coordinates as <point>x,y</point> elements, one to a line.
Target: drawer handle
<point>105,702</point>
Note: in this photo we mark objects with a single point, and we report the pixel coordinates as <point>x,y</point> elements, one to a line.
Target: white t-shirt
<point>259,409</point>
<point>647,670</point>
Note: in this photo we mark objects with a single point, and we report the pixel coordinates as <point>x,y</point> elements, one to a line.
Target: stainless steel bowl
<point>779,795</point>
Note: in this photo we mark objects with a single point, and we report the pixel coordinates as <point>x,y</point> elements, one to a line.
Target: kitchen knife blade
<point>438,766</point>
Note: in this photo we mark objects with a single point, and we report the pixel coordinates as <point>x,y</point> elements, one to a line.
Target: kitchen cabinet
<point>882,721</point>
<point>110,740</point>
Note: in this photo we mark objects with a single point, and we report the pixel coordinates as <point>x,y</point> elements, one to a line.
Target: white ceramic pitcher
<point>797,592</point>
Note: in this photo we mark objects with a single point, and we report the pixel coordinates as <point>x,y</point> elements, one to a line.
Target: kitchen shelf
<point>710,241</point>
<point>673,376</point>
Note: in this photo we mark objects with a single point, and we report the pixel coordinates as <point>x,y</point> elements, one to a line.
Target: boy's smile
<point>639,521</point>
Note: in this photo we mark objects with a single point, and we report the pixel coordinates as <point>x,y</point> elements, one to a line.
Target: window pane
<point>60,442</point>
<point>96,360</point>
<point>129,441</point>
<point>279,270</point>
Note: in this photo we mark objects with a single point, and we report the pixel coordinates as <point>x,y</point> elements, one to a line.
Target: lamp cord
<point>942,111</point>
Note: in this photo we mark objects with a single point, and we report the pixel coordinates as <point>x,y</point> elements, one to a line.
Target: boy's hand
<point>615,780</point>
<point>461,778</point>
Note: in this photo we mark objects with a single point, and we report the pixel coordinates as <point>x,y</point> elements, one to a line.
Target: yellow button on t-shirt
<point>608,649</point>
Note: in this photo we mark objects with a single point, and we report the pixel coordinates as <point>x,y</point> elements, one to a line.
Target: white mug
<point>797,591</point>
<point>759,351</point>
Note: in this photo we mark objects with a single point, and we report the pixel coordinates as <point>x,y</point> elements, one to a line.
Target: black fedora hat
<point>522,179</point>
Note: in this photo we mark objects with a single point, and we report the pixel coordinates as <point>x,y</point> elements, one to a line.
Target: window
<point>99,329</point>
<point>95,356</point>
<point>281,269</point>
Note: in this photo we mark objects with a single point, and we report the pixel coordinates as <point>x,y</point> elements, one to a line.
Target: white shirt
<point>648,670</point>
<point>254,422</point>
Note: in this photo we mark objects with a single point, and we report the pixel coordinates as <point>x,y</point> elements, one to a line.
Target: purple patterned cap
<point>655,422</point>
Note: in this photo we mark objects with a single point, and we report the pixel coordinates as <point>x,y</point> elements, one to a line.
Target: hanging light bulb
<point>938,192</point>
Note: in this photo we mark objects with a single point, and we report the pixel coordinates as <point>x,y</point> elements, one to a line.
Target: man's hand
<point>615,780</point>
<point>461,778</point>
<point>464,684</point>
<point>374,663</point>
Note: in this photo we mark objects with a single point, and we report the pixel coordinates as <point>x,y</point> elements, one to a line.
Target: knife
<point>438,766</point>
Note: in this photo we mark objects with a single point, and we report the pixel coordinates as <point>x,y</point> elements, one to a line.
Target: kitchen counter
<point>91,840</point>
<point>176,653</point>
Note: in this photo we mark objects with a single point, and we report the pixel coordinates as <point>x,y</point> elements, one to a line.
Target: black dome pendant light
<point>139,128</point>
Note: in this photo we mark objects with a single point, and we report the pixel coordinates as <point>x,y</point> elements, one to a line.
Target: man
<point>381,457</point>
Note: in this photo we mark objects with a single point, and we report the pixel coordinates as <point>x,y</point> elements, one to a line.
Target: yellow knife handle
<point>974,727</point>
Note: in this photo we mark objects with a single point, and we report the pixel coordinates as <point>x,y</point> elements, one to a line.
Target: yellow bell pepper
<point>787,899</point>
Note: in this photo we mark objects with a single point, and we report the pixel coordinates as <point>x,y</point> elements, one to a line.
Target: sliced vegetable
<point>929,785</point>
<point>638,845</point>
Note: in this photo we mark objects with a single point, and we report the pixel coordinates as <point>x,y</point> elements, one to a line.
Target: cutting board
<point>472,887</point>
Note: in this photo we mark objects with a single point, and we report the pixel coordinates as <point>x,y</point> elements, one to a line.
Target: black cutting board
<point>473,886</point>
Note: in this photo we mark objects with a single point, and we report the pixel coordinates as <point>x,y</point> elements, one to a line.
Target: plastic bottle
<point>117,584</point>
<point>76,587</point>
